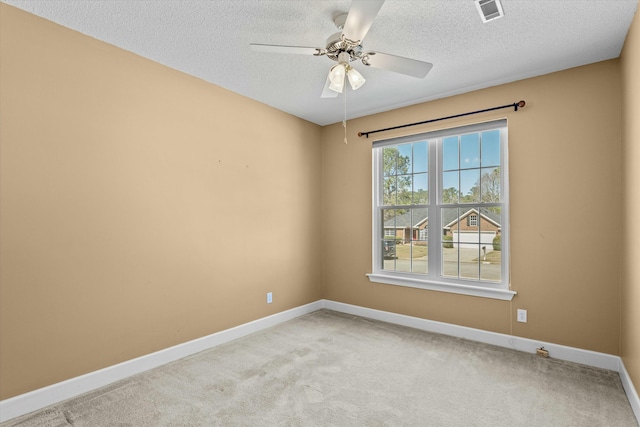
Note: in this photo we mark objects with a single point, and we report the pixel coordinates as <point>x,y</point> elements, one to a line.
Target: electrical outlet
<point>269,297</point>
<point>522,315</point>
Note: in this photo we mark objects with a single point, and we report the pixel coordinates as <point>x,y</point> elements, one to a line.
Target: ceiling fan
<point>345,46</point>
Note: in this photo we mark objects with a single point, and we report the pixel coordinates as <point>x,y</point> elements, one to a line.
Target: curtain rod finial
<point>521,104</point>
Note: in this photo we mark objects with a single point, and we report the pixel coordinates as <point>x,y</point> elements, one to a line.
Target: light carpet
<point>331,369</point>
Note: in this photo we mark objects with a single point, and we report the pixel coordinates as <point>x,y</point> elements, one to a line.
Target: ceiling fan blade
<point>326,92</point>
<point>361,16</point>
<point>397,64</point>
<point>272,48</point>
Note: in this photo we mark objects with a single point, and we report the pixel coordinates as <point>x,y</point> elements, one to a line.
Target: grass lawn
<point>404,251</point>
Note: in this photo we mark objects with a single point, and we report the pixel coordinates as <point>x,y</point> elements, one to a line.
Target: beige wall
<point>630,337</point>
<point>565,157</point>
<point>124,185</point>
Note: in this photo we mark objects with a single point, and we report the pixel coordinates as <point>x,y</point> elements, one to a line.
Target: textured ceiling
<point>210,40</point>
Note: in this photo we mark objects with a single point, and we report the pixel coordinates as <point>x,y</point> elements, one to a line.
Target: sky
<point>464,159</point>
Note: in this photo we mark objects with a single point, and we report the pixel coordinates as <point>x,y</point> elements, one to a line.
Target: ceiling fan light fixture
<point>337,86</point>
<point>337,73</point>
<point>336,77</point>
<point>355,78</point>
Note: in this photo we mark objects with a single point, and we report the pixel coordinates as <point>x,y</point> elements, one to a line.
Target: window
<point>454,182</point>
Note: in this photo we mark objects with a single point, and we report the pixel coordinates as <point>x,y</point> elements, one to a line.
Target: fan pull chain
<point>344,122</point>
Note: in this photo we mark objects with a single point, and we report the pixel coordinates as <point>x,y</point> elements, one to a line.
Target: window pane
<point>470,151</point>
<point>490,268</point>
<point>469,261</point>
<point>388,254</point>
<point>389,232</point>
<point>470,186</point>
<point>420,262</point>
<point>449,227</point>
<point>450,185</point>
<point>450,153</point>
<point>419,222</point>
<point>420,189</point>
<point>389,190</point>
<point>491,254</point>
<point>490,185</point>
<point>420,234</point>
<point>420,157</point>
<point>494,216</point>
<point>389,160</point>
<point>449,218</point>
<point>449,260</point>
<point>388,222</point>
<point>403,255</point>
<point>468,243</point>
<point>404,158</point>
<point>404,189</point>
<point>491,148</point>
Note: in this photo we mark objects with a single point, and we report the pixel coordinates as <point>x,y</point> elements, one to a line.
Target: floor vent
<point>489,9</point>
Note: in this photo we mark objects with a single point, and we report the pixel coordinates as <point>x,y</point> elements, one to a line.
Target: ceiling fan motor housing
<point>336,44</point>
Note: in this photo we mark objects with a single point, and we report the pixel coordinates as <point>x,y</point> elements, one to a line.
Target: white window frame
<point>433,280</point>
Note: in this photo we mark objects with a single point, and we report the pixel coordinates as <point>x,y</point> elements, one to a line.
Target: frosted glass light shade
<point>355,79</point>
<point>336,77</point>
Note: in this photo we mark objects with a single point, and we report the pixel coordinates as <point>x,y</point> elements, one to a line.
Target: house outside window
<point>456,182</point>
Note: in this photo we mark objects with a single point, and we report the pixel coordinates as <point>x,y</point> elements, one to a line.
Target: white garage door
<point>469,239</point>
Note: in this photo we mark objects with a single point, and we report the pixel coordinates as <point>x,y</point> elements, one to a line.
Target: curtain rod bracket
<point>515,106</point>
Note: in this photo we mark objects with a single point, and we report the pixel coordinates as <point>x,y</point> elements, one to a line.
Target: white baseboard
<point>586,357</point>
<point>55,393</point>
<point>572,354</point>
<point>632,394</point>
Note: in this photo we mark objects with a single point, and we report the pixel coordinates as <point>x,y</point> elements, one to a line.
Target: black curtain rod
<point>515,107</point>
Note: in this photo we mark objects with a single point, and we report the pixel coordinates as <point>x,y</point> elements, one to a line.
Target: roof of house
<point>450,216</point>
<point>410,218</point>
<point>415,217</point>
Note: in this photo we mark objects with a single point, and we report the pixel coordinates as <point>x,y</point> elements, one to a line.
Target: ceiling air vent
<point>489,9</point>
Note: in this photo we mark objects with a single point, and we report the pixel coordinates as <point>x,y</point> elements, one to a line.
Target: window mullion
<point>377,232</point>
<point>433,242</point>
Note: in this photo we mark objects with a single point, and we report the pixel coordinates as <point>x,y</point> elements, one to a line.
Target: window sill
<point>455,288</point>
